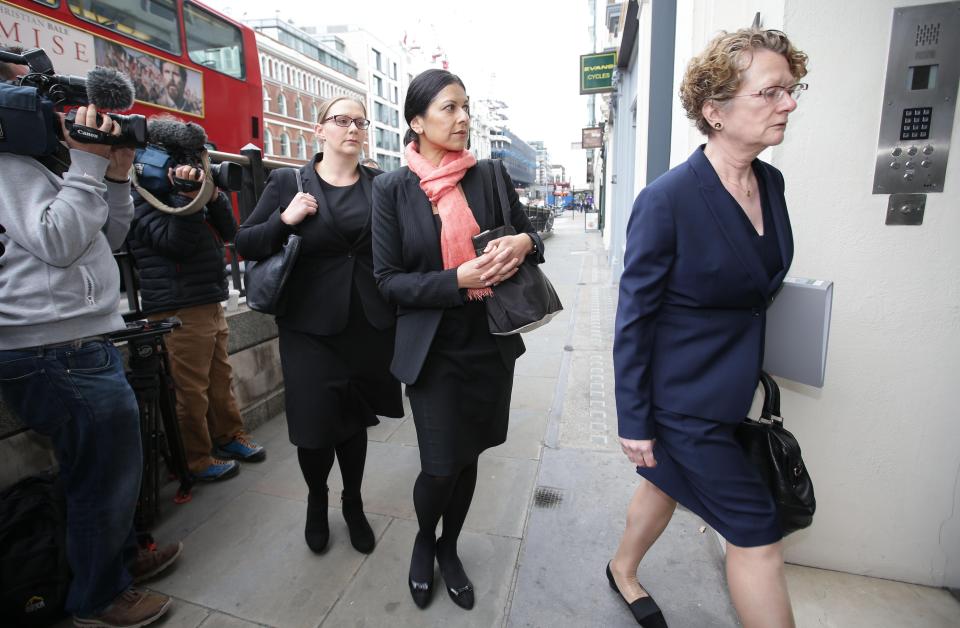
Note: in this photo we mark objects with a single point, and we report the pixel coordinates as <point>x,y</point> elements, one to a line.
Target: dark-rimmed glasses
<point>344,121</point>
<point>775,93</point>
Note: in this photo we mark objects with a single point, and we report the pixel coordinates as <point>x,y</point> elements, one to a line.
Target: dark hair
<point>421,92</point>
<point>6,69</point>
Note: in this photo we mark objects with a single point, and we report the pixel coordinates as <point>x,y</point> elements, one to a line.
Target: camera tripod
<point>149,376</point>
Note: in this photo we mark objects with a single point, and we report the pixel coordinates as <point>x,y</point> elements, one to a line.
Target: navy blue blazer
<point>693,296</point>
<point>408,263</point>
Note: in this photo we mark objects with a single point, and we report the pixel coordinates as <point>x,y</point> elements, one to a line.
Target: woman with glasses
<point>336,330</point>
<point>708,245</point>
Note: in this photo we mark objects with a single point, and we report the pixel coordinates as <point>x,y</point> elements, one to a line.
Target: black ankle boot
<point>361,534</point>
<point>317,530</point>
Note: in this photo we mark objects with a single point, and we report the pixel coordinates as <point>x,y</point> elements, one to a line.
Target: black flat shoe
<point>316,532</point>
<point>644,609</point>
<point>421,592</point>
<point>461,589</point>
<point>462,597</point>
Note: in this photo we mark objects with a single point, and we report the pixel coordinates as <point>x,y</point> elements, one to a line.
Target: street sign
<point>592,137</point>
<point>596,72</point>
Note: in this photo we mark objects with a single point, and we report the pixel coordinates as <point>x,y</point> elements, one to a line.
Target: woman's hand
<point>503,257</point>
<point>302,205</point>
<point>640,452</point>
<point>470,274</point>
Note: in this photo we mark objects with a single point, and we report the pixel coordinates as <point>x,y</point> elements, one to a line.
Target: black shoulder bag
<point>265,279</point>
<point>776,454</point>
<point>527,300</point>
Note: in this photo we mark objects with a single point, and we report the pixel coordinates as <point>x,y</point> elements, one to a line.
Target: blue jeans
<point>77,395</point>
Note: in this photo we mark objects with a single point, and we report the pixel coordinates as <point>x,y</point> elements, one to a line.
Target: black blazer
<point>318,291</point>
<point>691,317</point>
<point>408,264</point>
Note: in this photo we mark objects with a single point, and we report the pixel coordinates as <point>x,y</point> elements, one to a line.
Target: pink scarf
<point>457,224</point>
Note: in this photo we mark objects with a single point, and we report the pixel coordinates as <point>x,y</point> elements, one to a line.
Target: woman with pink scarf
<point>459,376</point>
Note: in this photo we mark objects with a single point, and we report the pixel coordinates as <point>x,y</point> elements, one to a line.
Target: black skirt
<point>461,400</point>
<point>336,385</point>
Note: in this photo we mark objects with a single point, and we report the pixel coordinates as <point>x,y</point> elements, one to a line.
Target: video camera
<point>28,124</point>
<point>175,143</point>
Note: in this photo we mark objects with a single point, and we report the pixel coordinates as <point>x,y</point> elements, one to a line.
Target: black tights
<point>317,463</point>
<point>448,497</point>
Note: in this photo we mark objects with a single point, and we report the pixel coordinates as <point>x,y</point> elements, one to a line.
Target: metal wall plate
<point>919,99</point>
<point>906,209</point>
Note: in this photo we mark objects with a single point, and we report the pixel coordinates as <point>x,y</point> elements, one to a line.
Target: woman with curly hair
<point>708,245</point>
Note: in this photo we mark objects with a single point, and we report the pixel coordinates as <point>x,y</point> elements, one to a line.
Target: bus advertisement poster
<point>158,81</point>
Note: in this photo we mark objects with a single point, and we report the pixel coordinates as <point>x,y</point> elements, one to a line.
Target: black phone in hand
<point>481,240</point>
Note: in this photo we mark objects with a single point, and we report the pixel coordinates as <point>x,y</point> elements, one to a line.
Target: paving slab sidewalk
<point>549,506</point>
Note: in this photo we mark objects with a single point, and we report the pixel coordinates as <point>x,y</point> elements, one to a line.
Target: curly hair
<point>715,74</point>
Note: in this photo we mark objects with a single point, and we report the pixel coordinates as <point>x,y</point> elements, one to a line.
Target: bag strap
<point>771,397</point>
<point>495,165</point>
<point>295,173</point>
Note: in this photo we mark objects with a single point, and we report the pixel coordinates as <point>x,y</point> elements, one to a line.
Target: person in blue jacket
<point>708,245</point>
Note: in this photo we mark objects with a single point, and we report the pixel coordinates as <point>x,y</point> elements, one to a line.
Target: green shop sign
<point>596,72</point>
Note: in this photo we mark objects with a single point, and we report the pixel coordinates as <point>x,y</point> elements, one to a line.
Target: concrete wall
<point>257,385</point>
<point>882,437</point>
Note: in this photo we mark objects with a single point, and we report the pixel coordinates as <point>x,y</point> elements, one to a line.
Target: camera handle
<point>197,204</point>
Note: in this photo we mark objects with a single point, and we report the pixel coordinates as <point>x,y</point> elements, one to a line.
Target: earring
<point>718,125</point>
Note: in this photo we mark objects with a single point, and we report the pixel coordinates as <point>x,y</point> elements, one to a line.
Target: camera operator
<point>59,295</point>
<point>180,257</point>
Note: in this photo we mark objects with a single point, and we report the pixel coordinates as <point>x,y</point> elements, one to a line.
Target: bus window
<point>213,43</point>
<point>153,22</point>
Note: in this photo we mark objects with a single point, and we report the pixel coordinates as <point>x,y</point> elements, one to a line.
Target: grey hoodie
<point>58,278</point>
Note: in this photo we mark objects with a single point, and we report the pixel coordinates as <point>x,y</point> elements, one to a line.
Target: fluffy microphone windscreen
<point>185,136</point>
<point>110,89</point>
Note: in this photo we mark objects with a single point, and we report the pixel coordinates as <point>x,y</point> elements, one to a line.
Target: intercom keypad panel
<point>919,100</point>
<point>915,124</point>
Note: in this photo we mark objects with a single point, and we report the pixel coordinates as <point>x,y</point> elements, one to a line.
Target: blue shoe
<point>242,448</point>
<point>218,470</point>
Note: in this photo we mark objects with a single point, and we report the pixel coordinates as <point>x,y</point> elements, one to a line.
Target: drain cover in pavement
<point>546,497</point>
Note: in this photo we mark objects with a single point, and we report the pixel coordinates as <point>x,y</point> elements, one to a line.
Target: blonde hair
<point>716,73</point>
<point>325,107</point>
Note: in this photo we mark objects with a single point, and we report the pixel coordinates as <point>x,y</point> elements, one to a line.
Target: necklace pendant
<point>748,194</point>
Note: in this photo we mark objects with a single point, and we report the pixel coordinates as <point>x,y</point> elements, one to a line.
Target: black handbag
<point>776,454</point>
<point>265,279</point>
<point>527,300</point>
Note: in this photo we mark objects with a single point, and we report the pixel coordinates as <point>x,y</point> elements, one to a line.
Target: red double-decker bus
<point>183,57</point>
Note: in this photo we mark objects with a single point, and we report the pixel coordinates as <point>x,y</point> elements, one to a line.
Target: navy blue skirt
<point>701,466</point>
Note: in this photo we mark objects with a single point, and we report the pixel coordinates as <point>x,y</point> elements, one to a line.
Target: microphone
<point>109,89</point>
<point>176,136</point>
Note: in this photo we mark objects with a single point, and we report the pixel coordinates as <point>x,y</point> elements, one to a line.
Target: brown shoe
<point>149,563</point>
<point>130,609</point>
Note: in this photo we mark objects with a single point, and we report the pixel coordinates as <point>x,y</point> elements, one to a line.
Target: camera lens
<point>227,176</point>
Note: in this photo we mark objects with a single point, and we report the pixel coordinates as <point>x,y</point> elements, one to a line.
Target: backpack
<point>34,573</point>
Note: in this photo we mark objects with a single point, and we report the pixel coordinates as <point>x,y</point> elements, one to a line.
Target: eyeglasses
<point>775,93</point>
<point>344,121</point>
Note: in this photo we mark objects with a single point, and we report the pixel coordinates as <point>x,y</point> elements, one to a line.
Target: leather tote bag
<point>776,454</point>
<point>527,300</point>
<point>265,279</point>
